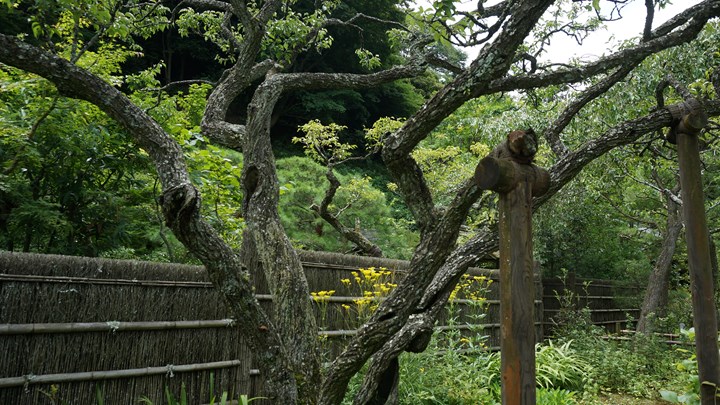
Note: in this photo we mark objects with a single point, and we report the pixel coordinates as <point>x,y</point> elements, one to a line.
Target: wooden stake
<point>701,279</point>
<point>517,292</point>
<point>508,171</point>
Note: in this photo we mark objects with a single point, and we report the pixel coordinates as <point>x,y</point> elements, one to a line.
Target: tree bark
<point>267,248</point>
<point>655,300</point>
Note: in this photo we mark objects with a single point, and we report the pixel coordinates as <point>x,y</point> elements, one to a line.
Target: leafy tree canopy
<point>193,135</point>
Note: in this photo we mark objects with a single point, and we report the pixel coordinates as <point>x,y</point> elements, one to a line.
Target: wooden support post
<point>698,246</point>
<point>517,295</point>
<point>508,170</point>
<point>701,279</point>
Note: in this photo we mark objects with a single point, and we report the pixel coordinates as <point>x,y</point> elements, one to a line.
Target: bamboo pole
<point>169,283</point>
<point>102,281</point>
<point>111,326</point>
<point>113,374</point>
<point>79,327</point>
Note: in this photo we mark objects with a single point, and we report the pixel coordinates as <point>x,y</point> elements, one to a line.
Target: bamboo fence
<point>73,326</point>
<point>610,304</point>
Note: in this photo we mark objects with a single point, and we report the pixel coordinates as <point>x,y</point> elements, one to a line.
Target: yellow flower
<point>345,281</point>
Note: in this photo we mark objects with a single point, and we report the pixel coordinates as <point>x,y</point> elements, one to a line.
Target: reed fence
<point>71,327</point>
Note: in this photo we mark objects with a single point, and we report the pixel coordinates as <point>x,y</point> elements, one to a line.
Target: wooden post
<point>508,170</point>
<point>698,245</point>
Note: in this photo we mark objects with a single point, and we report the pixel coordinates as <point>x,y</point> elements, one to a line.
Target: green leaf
<point>669,396</point>
<point>183,395</point>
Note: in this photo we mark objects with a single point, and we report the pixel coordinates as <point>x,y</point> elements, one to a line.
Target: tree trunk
<point>655,301</point>
<point>267,248</point>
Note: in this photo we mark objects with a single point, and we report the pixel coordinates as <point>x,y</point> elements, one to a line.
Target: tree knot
<point>179,204</point>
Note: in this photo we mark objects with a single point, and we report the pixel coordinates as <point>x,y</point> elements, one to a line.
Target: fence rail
<point>63,316</point>
<point>168,370</point>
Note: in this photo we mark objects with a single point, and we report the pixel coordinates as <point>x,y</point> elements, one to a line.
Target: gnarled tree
<point>285,341</point>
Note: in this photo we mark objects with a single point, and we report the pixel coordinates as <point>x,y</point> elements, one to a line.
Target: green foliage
<point>458,368</point>
<point>288,36</point>
<point>690,382</point>
<point>380,129</point>
<point>560,366</point>
<point>322,142</point>
<point>207,24</point>
<point>555,396</point>
<point>71,181</point>
<point>463,372</point>
<point>608,222</point>
<point>355,194</point>
<point>69,25</point>
<point>637,367</point>
<point>446,169</point>
<point>368,60</point>
<point>354,51</point>
<point>171,399</point>
<point>577,231</point>
<point>358,204</point>
<point>686,379</point>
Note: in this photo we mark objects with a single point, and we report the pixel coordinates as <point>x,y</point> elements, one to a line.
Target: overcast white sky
<point>631,25</point>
